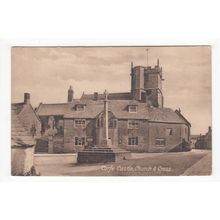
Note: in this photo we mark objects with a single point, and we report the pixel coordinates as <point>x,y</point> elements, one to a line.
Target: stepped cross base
<point>104,153</point>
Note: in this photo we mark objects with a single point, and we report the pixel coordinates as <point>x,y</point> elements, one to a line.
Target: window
<point>132,124</point>
<point>80,108</point>
<point>132,108</point>
<point>99,122</point>
<point>169,131</point>
<point>79,141</point>
<point>112,123</point>
<point>80,123</point>
<point>133,141</point>
<point>160,142</point>
<point>148,92</point>
<point>143,96</point>
<point>115,123</point>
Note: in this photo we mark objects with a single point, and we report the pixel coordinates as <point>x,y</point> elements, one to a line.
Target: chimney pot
<point>27,98</point>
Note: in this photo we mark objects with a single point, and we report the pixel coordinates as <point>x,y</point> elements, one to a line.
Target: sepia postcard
<point>111,111</point>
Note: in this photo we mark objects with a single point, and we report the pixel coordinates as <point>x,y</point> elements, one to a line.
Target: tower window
<point>132,108</point>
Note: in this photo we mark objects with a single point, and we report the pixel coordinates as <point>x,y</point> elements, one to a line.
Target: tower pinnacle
<point>158,62</point>
<point>70,94</point>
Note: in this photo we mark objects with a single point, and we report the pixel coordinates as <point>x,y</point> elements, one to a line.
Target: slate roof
<point>52,109</point>
<point>20,137</point>
<point>118,107</point>
<point>17,107</point>
<point>165,115</point>
<point>111,96</point>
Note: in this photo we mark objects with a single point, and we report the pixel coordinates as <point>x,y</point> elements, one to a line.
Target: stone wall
<point>141,132</point>
<point>159,130</point>
<point>70,132</point>
<point>21,161</point>
<point>29,118</point>
<point>147,133</point>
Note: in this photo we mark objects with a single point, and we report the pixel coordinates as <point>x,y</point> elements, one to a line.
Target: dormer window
<point>80,107</point>
<point>132,108</point>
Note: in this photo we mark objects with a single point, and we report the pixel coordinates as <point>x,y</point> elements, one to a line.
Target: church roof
<point>111,96</point>
<point>20,136</point>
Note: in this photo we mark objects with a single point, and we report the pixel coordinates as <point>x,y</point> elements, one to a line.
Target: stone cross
<point>106,95</point>
<point>106,113</point>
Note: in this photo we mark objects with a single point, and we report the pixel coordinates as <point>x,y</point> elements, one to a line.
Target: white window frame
<point>80,141</point>
<point>81,109</point>
<point>80,123</point>
<point>112,123</point>
<point>133,124</point>
<point>132,106</point>
<point>133,141</point>
<point>160,140</point>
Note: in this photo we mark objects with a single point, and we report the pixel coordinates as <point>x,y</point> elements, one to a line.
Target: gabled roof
<point>52,109</point>
<point>181,116</point>
<point>118,107</point>
<point>111,96</point>
<point>165,115</point>
<point>17,107</point>
<point>20,137</point>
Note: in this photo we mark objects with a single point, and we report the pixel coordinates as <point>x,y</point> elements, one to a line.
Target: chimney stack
<point>158,62</point>
<point>96,96</point>
<point>27,98</point>
<point>70,94</point>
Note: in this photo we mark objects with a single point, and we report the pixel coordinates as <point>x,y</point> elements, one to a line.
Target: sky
<point>47,72</point>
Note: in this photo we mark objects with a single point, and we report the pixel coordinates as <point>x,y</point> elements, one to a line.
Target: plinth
<point>104,153</point>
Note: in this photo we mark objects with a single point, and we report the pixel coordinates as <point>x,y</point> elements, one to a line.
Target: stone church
<point>137,120</point>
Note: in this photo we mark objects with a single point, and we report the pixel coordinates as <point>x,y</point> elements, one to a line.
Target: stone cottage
<point>204,141</point>
<point>25,127</point>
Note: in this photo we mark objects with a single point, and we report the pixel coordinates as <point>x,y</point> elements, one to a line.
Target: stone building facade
<point>204,141</point>
<point>25,128</point>
<point>28,116</point>
<point>138,120</point>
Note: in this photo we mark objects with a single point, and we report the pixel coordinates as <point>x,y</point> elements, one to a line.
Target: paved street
<point>196,162</point>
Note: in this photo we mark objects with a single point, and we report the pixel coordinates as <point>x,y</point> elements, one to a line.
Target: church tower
<point>70,94</point>
<point>146,84</point>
